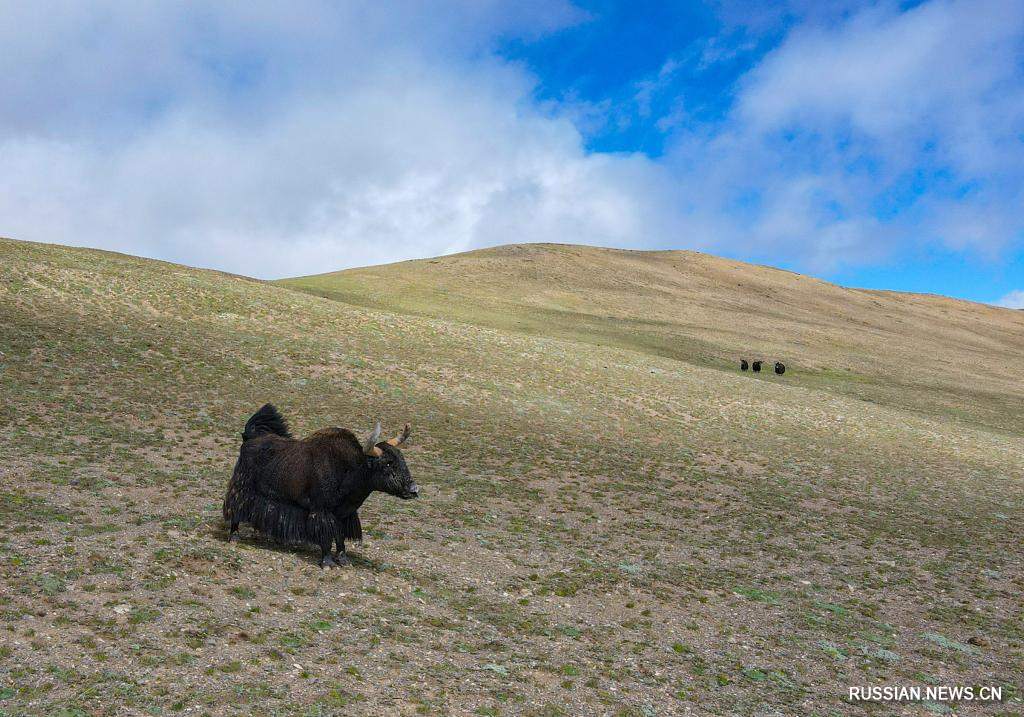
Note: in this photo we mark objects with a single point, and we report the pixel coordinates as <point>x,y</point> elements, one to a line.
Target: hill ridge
<point>710,311</point>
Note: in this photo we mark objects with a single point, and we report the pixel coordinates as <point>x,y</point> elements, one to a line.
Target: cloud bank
<point>892,129</point>
<point>277,141</point>
<point>1012,300</point>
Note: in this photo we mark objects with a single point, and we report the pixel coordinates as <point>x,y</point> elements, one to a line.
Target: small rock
<point>122,609</point>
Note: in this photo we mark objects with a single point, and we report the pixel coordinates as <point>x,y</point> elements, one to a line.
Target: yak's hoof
<point>327,562</point>
<point>342,559</point>
<point>233,538</point>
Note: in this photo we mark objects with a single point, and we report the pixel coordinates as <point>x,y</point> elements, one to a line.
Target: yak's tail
<point>266,420</point>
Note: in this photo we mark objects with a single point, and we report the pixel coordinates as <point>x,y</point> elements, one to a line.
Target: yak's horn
<point>370,448</point>
<point>400,438</point>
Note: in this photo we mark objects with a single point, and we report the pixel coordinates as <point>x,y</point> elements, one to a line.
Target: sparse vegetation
<point>610,523</point>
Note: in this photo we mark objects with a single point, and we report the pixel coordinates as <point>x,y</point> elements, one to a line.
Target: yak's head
<point>390,474</point>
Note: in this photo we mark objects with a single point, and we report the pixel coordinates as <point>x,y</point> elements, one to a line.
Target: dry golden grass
<point>927,352</point>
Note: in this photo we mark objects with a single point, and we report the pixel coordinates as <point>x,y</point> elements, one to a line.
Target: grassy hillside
<point>930,353</point>
<point>603,528</point>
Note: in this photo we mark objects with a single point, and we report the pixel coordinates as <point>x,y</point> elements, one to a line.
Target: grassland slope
<point>932,353</point>
<point>602,530</point>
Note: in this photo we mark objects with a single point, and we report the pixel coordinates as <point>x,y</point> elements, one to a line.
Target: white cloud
<point>311,139</point>
<point>276,139</point>
<point>853,140</point>
<point>1013,300</point>
<point>385,172</point>
<point>940,72</point>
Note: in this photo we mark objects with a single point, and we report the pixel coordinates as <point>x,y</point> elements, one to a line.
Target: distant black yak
<point>780,368</point>
<point>743,364</point>
<point>309,490</point>
<point>756,367</point>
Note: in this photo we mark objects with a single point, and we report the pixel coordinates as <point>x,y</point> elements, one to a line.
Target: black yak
<point>756,367</point>
<point>743,364</point>
<point>780,368</point>
<point>309,490</point>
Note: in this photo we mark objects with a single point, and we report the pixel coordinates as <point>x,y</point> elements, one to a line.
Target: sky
<point>875,144</point>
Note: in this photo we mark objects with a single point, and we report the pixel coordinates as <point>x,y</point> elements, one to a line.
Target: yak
<point>310,490</point>
<point>780,368</point>
<point>743,364</point>
<point>756,367</point>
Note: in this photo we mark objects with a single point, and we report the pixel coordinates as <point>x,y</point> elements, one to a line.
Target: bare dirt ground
<point>602,530</point>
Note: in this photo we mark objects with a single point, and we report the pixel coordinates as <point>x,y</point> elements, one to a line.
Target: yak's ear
<point>370,448</point>
<point>400,438</point>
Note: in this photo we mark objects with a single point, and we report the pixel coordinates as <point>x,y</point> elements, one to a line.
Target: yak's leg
<point>233,537</point>
<point>326,561</point>
<point>341,557</point>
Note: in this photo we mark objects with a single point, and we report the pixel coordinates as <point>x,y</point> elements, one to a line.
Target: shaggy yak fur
<point>743,364</point>
<point>309,490</point>
<point>756,367</point>
<point>780,368</point>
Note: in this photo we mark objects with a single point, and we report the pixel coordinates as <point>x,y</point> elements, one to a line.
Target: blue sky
<point>646,73</point>
<point>614,63</point>
<point>877,144</point>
